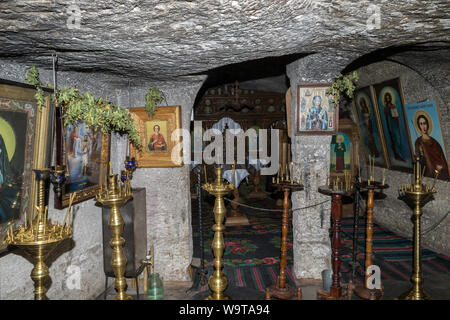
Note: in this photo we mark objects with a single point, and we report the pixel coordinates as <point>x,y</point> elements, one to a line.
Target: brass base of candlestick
<point>39,251</point>
<point>40,236</point>
<point>113,198</point>
<point>417,194</point>
<point>218,281</point>
<point>414,294</point>
<point>218,297</point>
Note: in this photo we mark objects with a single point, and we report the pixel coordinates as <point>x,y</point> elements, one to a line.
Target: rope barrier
<point>424,232</point>
<point>274,210</point>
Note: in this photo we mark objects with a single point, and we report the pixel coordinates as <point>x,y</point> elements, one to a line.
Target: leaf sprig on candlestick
<point>94,112</point>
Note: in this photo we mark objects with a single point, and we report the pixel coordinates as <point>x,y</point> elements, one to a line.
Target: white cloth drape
<point>234,127</point>
<point>258,163</point>
<point>241,174</point>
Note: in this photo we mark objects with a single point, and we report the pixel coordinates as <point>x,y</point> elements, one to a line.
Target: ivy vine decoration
<point>33,79</point>
<point>94,112</point>
<point>343,84</point>
<point>152,98</point>
<point>97,113</point>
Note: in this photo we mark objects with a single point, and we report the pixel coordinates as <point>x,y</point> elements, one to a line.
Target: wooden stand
<point>256,192</point>
<point>281,289</point>
<point>235,217</point>
<point>362,291</point>
<point>336,212</point>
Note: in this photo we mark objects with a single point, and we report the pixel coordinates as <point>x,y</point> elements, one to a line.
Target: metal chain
<point>435,225</point>
<point>430,228</point>
<point>274,210</point>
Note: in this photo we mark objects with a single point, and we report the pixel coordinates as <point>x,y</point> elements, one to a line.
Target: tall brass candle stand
<point>39,237</point>
<point>362,291</point>
<point>416,195</point>
<point>218,281</point>
<point>113,197</point>
<point>336,191</point>
<point>281,289</point>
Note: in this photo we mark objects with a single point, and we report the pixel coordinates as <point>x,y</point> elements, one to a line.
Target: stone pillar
<point>312,247</point>
<point>169,227</point>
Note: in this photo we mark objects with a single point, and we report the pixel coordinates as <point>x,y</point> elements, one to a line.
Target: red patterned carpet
<point>251,256</point>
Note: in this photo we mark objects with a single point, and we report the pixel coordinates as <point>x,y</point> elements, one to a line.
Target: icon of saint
<point>392,115</point>
<point>157,142</point>
<point>430,149</point>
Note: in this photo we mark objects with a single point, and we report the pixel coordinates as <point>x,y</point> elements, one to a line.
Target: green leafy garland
<point>33,79</point>
<point>152,98</point>
<point>94,112</point>
<point>343,84</point>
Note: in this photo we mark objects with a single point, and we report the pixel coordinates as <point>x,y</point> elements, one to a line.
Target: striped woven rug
<point>388,245</point>
<point>251,258</point>
<point>254,277</point>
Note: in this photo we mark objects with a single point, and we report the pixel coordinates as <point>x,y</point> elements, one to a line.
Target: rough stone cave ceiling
<point>158,40</point>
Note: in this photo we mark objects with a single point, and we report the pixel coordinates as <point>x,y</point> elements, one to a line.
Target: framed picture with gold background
<point>389,102</point>
<point>315,112</point>
<point>427,137</point>
<point>369,126</point>
<point>156,132</point>
<point>85,154</point>
<point>24,145</point>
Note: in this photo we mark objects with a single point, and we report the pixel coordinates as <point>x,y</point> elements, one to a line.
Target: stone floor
<point>438,287</point>
<point>180,291</point>
<point>172,291</point>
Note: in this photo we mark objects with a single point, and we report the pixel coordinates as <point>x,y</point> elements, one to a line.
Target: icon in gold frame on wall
<point>369,127</point>
<point>315,112</point>
<point>85,154</point>
<point>156,133</point>
<point>24,136</point>
<point>340,153</point>
<point>157,145</point>
<point>427,138</point>
<point>389,102</point>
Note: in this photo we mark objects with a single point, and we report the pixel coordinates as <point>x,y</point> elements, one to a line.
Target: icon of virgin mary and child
<point>317,116</point>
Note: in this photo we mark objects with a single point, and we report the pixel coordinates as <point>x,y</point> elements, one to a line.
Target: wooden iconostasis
<point>249,108</point>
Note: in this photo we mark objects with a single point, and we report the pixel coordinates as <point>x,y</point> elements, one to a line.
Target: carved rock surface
<point>164,39</point>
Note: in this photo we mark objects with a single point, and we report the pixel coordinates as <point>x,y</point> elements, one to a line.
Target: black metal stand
<point>200,275</point>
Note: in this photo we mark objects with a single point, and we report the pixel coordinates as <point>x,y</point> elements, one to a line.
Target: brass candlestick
<point>40,236</point>
<point>113,197</point>
<point>218,281</point>
<point>418,194</point>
